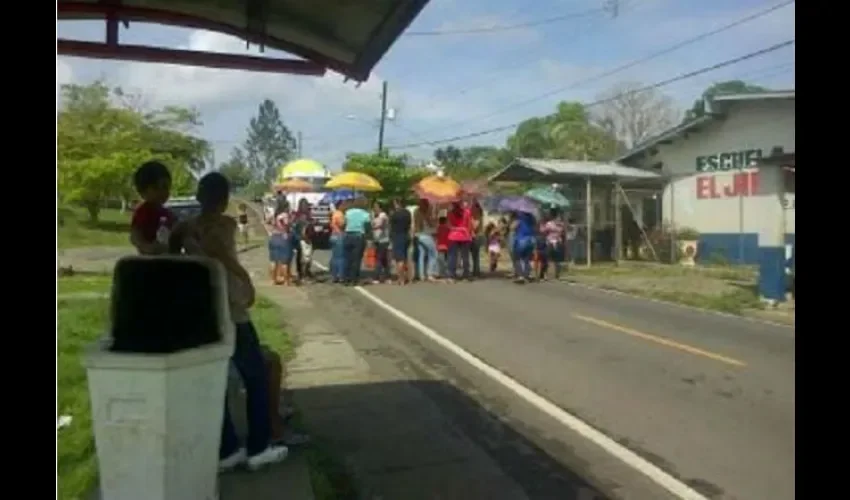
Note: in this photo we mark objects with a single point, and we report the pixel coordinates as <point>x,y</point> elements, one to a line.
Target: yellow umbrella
<point>302,168</point>
<point>355,181</point>
<point>293,186</point>
<point>438,189</point>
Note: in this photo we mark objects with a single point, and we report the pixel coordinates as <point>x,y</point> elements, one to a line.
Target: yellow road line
<point>662,341</point>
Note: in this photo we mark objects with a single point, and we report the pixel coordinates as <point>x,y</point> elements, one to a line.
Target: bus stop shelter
<point>341,35</point>
<point>344,36</point>
<point>601,179</point>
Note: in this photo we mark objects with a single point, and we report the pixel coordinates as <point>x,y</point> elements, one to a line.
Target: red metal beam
<point>142,53</point>
<point>98,10</point>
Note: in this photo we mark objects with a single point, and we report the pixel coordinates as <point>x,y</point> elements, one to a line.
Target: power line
<point>626,66</point>
<point>526,61</point>
<point>663,83</point>
<point>631,4</point>
<point>760,74</point>
<point>508,27</point>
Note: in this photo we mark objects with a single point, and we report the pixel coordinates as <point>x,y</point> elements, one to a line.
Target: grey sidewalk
<point>392,437</point>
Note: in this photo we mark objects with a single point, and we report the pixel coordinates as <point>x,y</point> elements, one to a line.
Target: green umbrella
<point>548,196</point>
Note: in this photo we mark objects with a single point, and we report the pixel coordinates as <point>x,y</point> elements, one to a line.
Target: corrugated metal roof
<point>567,168</point>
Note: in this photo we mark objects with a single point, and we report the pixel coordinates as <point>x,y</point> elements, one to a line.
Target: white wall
<point>748,126</point>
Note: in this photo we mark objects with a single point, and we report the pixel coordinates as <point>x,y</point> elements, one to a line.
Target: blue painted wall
<point>734,247</point>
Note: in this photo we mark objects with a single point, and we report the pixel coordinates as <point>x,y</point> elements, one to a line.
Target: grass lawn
<point>730,289</point>
<point>112,229</point>
<point>80,322</point>
<point>84,283</point>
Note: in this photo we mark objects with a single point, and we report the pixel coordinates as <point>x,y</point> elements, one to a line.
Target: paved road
<point>708,398</point>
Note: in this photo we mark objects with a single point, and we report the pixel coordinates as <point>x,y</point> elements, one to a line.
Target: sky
<point>440,87</point>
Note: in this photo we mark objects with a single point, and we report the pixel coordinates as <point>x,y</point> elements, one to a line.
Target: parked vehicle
<point>183,208</point>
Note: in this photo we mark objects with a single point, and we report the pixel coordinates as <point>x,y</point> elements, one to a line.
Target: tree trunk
<point>94,211</point>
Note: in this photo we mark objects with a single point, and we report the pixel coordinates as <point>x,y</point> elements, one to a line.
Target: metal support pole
<point>618,223</point>
<point>673,243</point>
<point>588,219</point>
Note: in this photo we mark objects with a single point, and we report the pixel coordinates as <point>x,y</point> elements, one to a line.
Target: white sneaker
<point>236,459</point>
<point>271,455</point>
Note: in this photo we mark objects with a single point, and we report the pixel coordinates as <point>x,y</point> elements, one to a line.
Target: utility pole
<point>299,143</point>
<point>383,117</point>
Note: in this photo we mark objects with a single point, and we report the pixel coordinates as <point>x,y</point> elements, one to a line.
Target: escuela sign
<point>740,184</point>
<point>723,162</point>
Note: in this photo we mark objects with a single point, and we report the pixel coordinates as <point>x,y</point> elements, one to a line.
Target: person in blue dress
<point>524,241</point>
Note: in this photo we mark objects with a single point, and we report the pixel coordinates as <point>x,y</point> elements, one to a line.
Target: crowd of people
<point>432,243</point>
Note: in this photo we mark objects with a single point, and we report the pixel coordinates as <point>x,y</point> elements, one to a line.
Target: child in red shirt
<point>152,222</point>
<point>443,246</point>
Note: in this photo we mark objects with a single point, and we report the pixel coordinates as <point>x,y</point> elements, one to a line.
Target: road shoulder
<point>392,438</point>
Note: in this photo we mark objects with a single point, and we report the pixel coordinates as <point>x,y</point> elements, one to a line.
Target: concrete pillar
<point>771,235</point>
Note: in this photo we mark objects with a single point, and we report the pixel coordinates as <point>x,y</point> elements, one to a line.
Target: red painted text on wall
<point>720,186</point>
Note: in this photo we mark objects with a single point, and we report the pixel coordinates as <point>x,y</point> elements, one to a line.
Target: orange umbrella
<point>293,185</point>
<point>438,189</point>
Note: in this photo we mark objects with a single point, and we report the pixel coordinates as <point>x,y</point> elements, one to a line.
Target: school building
<point>716,185</point>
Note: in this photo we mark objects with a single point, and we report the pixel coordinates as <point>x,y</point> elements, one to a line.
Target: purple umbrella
<point>518,204</point>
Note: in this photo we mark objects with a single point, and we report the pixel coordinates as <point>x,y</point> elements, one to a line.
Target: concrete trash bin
<point>157,416</point>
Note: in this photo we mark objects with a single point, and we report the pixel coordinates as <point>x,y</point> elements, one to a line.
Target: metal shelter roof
<point>562,171</point>
<point>343,35</point>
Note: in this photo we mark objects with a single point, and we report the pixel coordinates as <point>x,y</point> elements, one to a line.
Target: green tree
<point>270,143</point>
<point>236,169</point>
<point>721,88</point>
<point>100,143</point>
<point>568,133</point>
<point>391,171</point>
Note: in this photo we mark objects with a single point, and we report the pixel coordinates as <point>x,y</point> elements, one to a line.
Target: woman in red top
<point>460,238</point>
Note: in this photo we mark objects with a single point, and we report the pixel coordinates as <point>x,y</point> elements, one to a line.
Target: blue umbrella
<point>337,197</point>
<point>518,204</point>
